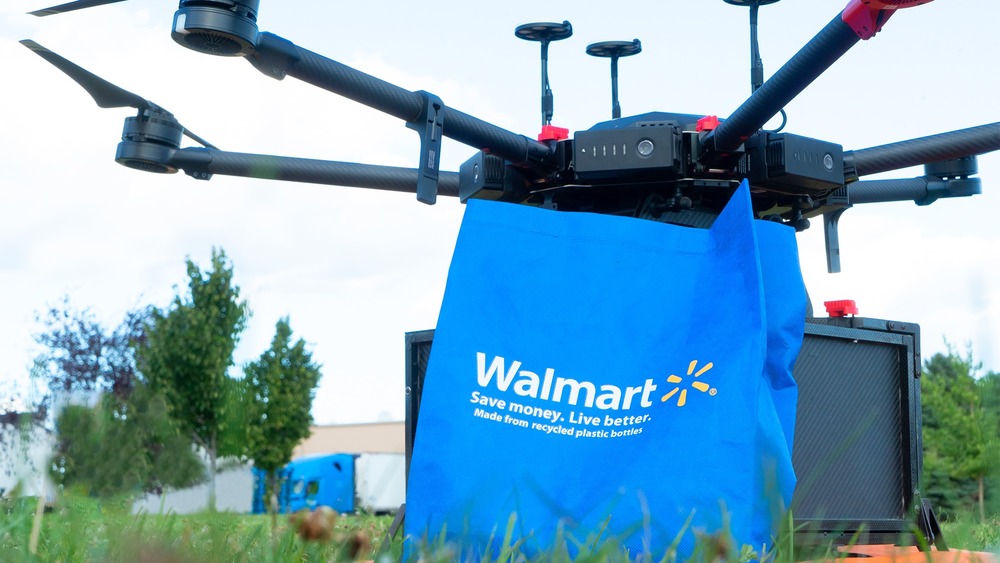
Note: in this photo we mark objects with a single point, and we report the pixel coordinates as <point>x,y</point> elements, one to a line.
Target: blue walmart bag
<point>594,374</point>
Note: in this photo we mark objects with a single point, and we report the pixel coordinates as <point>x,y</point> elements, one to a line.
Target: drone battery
<point>793,164</point>
<point>630,153</point>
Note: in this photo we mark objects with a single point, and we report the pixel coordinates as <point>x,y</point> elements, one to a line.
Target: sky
<point>355,269</point>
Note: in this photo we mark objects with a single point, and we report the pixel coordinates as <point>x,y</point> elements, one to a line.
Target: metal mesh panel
<point>418,353</point>
<point>849,437</point>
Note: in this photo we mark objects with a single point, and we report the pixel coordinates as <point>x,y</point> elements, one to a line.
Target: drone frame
<point>709,155</point>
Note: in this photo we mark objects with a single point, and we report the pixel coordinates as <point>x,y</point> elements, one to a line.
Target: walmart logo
<point>681,390</point>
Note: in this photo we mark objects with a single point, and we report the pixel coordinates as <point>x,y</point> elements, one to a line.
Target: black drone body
<point>672,167</point>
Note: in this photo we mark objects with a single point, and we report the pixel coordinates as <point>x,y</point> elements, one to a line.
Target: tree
<point>280,386</point>
<point>83,356</point>
<point>125,443</point>
<point>989,387</point>
<point>122,448</point>
<point>956,433</point>
<point>188,351</point>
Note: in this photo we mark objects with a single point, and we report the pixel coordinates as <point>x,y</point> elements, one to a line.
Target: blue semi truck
<point>344,482</point>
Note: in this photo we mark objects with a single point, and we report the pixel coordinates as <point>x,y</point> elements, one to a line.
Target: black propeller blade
<point>106,94</point>
<point>72,6</point>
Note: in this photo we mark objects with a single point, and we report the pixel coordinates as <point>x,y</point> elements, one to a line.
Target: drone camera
<point>226,28</point>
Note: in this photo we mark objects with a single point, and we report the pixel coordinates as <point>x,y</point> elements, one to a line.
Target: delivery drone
<point>670,167</point>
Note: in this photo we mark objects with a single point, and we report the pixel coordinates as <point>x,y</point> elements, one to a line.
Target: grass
<point>83,529</point>
<point>88,530</point>
<point>969,533</point>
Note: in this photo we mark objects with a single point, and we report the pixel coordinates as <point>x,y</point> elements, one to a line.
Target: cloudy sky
<point>356,269</point>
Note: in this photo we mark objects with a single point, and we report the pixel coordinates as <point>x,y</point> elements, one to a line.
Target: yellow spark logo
<point>700,386</point>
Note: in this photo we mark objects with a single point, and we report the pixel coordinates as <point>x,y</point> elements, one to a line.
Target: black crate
<point>857,451</point>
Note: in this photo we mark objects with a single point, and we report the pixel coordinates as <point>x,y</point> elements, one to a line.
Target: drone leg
<point>429,125</point>
<point>830,221</point>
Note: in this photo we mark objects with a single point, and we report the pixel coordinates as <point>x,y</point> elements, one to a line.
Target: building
<point>25,452</point>
<point>235,485</point>
<point>365,438</point>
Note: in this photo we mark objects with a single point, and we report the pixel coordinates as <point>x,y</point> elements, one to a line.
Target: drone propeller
<point>71,7</point>
<point>150,143</point>
<point>106,94</point>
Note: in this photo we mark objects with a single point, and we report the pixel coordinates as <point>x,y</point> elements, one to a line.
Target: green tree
<point>188,351</point>
<point>123,447</point>
<point>280,389</point>
<point>126,443</point>
<point>957,444</point>
<point>989,387</point>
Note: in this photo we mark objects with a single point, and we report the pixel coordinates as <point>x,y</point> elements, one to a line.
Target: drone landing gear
<point>390,534</point>
<point>430,126</point>
<point>927,523</point>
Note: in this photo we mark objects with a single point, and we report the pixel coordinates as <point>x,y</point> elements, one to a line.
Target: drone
<point>670,167</point>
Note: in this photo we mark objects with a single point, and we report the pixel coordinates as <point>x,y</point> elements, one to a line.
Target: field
<point>86,530</point>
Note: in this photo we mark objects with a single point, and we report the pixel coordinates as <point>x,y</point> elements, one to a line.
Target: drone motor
<point>149,140</point>
<point>226,28</point>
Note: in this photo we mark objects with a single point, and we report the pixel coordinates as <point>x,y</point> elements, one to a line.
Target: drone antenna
<point>756,63</point>
<point>615,50</point>
<point>545,32</point>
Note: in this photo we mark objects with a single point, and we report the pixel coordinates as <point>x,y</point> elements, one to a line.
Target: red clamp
<point>841,308</point>
<point>707,123</point>
<point>866,17</point>
<point>553,133</point>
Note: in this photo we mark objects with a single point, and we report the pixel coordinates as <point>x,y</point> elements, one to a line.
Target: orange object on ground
<point>897,554</point>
